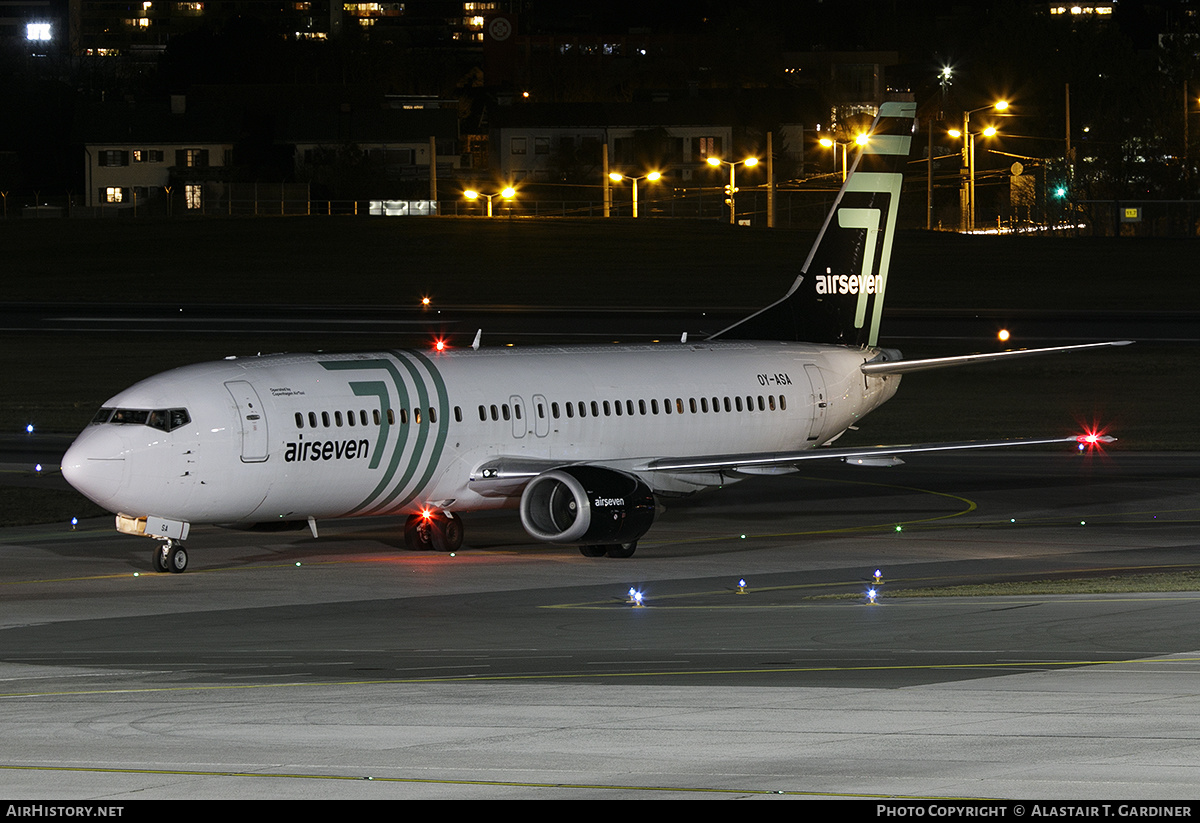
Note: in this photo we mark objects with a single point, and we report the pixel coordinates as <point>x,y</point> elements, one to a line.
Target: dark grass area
<point>587,262</point>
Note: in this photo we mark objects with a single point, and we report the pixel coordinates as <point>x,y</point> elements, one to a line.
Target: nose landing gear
<point>171,556</point>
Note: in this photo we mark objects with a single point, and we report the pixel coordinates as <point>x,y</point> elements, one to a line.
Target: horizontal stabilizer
<point>880,366</point>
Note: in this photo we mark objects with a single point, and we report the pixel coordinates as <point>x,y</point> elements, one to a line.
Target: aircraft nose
<point>95,464</point>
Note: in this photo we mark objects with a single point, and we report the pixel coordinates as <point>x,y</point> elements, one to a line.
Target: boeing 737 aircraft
<point>584,440</point>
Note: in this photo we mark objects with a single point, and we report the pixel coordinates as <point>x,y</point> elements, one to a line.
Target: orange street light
<point>731,189</point>
<point>617,177</point>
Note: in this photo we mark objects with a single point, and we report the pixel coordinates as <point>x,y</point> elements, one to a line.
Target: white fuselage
<point>290,437</point>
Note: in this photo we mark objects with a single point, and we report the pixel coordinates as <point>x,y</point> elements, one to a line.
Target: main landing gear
<point>171,556</point>
<point>440,531</point>
<point>615,550</point>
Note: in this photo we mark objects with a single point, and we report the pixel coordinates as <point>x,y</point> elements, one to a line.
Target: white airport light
<point>871,595</point>
<point>38,468</point>
<point>741,585</point>
<point>29,428</point>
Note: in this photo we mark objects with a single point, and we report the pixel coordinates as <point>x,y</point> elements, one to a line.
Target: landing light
<point>1003,335</point>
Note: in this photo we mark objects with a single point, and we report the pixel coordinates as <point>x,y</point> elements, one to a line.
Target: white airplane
<point>585,440</point>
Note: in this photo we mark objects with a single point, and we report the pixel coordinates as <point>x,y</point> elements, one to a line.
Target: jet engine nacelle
<point>587,504</point>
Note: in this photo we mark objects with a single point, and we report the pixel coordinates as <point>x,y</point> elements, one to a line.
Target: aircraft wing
<point>505,476</point>
<point>862,454</point>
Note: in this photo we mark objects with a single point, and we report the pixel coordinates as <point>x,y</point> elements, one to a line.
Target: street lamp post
<point>968,221</point>
<point>617,177</point>
<point>732,189</point>
<point>507,194</point>
<point>830,143</point>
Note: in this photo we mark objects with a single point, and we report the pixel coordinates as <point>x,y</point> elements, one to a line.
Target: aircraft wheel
<point>158,560</point>
<point>622,549</point>
<point>177,559</point>
<point>446,534</point>
<point>416,533</point>
<point>593,551</point>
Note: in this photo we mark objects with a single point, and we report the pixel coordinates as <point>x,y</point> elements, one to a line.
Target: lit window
<point>37,31</point>
<point>114,194</point>
<point>192,196</point>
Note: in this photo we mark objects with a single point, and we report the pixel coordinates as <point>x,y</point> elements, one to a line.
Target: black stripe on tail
<point>838,297</point>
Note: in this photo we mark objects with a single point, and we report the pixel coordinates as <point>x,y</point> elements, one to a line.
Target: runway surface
<point>280,666</point>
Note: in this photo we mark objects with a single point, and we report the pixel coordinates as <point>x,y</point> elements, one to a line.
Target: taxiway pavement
<point>349,667</point>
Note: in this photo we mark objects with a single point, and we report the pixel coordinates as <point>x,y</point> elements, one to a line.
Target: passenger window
<point>325,419</point>
<point>457,414</point>
<point>504,410</point>
<point>350,417</point>
<point>375,416</point>
<point>771,401</point>
<point>391,417</point>
<point>432,415</point>
<point>337,418</point>
<point>299,420</point>
<point>554,410</point>
<point>782,403</point>
<point>312,420</point>
<point>362,416</point>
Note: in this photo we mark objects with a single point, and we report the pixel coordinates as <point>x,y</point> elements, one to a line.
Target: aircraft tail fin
<point>838,296</point>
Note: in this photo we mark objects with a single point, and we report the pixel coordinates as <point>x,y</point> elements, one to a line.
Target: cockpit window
<point>164,419</point>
